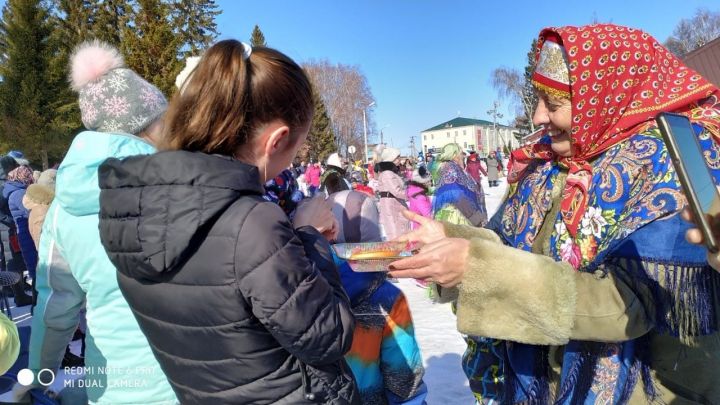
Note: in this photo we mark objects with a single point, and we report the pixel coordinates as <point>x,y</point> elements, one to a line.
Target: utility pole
<point>365,130</point>
<point>412,147</point>
<point>495,114</point>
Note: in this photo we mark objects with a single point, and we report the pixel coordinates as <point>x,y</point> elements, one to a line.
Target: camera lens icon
<point>45,377</point>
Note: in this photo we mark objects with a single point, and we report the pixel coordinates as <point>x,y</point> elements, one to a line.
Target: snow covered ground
<point>435,329</point>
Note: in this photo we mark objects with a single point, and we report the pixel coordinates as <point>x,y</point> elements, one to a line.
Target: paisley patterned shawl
<point>624,217</point>
<point>631,227</point>
<point>620,78</point>
<point>454,185</point>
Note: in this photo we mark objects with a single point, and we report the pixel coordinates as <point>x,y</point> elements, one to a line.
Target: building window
<point>465,145</point>
<point>424,137</point>
<point>448,134</point>
<point>464,131</point>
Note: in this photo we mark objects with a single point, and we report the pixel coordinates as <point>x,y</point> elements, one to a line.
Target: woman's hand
<point>695,236</point>
<point>316,212</point>
<point>430,231</point>
<point>443,262</point>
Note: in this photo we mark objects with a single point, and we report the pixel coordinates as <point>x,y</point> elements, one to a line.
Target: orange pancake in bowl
<point>374,255</point>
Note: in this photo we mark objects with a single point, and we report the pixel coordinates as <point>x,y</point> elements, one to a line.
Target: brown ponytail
<point>228,97</point>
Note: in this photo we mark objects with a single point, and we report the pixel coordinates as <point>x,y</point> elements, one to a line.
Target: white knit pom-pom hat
<point>182,78</point>
<point>113,98</point>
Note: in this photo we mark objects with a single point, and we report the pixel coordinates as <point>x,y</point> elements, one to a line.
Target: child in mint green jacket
<point>122,113</point>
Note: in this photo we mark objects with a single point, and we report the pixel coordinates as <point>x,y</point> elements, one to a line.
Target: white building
<point>470,134</point>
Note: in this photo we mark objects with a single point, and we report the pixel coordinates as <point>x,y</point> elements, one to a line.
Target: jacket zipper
<point>308,394</point>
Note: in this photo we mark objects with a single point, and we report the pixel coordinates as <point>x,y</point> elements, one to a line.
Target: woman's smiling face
<point>555,114</point>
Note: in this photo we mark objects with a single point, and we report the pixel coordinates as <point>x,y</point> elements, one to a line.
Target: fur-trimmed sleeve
<point>469,232</point>
<point>515,295</point>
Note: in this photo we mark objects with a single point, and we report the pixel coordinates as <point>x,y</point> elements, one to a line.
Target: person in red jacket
<point>312,175</point>
<point>474,167</point>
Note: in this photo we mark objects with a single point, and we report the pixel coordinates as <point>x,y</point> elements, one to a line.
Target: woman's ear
<point>277,138</point>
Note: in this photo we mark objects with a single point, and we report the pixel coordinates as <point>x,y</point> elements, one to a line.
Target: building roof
<point>462,122</point>
<point>706,61</point>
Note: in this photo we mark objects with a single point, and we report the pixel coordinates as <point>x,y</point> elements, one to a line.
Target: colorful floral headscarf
<point>21,174</point>
<point>620,79</point>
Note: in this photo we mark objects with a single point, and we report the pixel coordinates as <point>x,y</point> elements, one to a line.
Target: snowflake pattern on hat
<point>120,101</point>
<point>95,91</point>
<point>116,106</point>
<point>112,126</point>
<point>151,97</point>
<point>117,83</point>
<point>89,110</point>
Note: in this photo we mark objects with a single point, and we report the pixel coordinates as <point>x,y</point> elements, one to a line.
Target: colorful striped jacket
<point>385,357</point>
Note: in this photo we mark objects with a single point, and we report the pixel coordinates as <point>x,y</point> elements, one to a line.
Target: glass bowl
<point>372,256</point>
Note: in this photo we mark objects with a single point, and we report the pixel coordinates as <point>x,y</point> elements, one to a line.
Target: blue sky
<point>427,60</point>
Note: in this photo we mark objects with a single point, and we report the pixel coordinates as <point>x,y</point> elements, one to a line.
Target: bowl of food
<point>372,256</point>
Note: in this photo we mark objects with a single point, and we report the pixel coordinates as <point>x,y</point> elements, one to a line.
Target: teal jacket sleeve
<point>59,302</point>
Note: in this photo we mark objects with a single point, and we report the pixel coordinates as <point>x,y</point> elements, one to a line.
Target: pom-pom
<point>91,60</point>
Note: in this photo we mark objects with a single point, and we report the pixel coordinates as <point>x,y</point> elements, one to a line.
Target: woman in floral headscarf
<point>584,276</point>
<point>458,198</point>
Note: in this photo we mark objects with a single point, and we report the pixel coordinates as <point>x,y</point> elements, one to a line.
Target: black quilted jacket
<point>238,307</point>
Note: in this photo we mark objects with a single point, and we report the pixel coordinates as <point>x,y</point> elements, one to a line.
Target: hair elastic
<point>247,50</point>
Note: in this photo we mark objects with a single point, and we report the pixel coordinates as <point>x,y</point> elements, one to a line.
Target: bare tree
<point>694,32</point>
<point>346,93</point>
<point>517,86</point>
<point>511,84</point>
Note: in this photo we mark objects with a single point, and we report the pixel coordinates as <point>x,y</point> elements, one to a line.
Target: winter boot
<point>21,299</point>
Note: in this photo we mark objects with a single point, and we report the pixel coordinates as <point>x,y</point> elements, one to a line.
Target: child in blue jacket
<point>385,357</point>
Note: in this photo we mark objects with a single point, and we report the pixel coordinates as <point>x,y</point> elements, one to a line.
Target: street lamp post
<point>365,130</point>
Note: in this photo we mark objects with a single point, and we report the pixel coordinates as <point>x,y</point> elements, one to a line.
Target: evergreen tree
<point>39,112</point>
<point>257,38</point>
<point>194,22</point>
<point>27,90</point>
<point>150,46</point>
<point>111,20</point>
<point>73,22</point>
<point>320,142</point>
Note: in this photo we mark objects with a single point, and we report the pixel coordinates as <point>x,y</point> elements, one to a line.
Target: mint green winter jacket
<point>74,272</point>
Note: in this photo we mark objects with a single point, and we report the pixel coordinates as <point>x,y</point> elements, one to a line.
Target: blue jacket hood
<point>10,187</point>
<point>76,188</point>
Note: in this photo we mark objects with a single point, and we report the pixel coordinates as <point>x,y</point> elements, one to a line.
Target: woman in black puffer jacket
<point>239,305</point>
